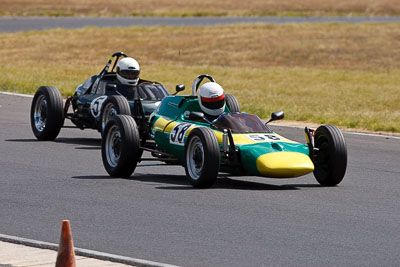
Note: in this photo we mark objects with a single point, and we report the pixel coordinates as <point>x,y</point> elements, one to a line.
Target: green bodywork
<point>171,112</point>
<point>250,153</point>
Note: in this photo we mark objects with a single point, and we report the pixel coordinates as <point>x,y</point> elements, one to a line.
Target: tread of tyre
<point>232,103</point>
<point>55,119</point>
<point>337,156</point>
<point>129,147</point>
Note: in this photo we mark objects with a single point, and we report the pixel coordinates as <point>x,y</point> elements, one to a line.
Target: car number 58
<point>263,137</point>
<point>178,133</point>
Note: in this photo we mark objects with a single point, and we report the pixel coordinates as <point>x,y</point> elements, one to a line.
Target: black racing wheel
<point>112,106</point>
<point>202,157</point>
<point>232,103</point>
<point>47,116</point>
<point>120,146</point>
<point>330,156</point>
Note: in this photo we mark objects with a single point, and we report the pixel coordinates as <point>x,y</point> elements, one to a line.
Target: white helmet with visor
<point>128,71</point>
<point>211,98</point>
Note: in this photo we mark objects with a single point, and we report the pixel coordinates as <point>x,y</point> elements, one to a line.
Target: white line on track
<point>84,252</point>
<point>347,132</point>
<point>15,94</point>
<point>374,135</point>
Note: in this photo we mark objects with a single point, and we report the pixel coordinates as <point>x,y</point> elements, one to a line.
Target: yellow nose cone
<point>284,164</point>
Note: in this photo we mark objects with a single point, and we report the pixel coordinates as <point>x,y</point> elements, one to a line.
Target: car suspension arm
<point>309,133</point>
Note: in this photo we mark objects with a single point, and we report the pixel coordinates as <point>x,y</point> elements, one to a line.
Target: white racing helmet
<point>211,98</point>
<point>128,71</point>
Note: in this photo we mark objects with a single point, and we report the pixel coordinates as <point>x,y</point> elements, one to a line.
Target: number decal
<point>178,133</point>
<point>174,133</point>
<point>95,106</point>
<point>273,137</point>
<point>263,137</point>
<point>256,137</point>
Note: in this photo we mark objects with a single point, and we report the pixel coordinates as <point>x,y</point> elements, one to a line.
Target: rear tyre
<point>112,106</point>
<point>120,146</point>
<point>47,116</point>
<point>232,103</point>
<point>202,157</point>
<point>330,159</point>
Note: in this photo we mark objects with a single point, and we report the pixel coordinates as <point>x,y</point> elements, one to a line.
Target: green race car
<point>178,132</point>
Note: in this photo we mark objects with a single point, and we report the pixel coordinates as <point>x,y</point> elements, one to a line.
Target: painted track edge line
<point>84,252</point>
<point>15,94</point>
<point>354,132</point>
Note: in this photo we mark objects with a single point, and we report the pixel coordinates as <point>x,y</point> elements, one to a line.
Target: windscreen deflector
<point>241,123</point>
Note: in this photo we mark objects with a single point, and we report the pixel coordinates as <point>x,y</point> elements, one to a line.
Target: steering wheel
<point>198,80</point>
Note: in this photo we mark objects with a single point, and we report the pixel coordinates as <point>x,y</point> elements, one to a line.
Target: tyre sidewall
<point>121,105</point>
<point>211,159</point>
<point>337,154</point>
<point>55,116</point>
<point>129,146</point>
<point>232,103</point>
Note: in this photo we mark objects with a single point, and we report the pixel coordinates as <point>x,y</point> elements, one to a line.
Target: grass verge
<point>198,8</point>
<point>348,75</point>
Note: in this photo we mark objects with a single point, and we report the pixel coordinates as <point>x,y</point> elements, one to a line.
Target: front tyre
<point>47,113</point>
<point>120,146</point>
<point>202,157</point>
<point>113,105</point>
<point>330,158</point>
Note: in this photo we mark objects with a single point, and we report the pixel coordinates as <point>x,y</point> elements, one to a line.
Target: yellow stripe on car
<point>166,126</point>
<point>160,124</point>
<point>171,126</point>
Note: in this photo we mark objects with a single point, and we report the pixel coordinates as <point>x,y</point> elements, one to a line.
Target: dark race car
<point>94,102</point>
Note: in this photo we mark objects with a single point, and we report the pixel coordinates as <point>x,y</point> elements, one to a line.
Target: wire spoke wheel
<point>40,113</point>
<point>47,114</point>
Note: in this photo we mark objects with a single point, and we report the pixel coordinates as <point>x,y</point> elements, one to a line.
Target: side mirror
<point>196,116</point>
<point>111,87</point>
<point>277,115</point>
<point>179,88</point>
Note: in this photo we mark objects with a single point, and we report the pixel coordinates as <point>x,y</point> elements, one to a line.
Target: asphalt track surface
<point>155,214</point>
<point>16,24</point>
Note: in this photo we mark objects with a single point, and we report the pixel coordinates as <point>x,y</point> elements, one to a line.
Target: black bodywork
<point>142,98</point>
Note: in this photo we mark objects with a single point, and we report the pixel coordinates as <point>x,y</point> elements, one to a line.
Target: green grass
<point>196,8</point>
<point>354,99</point>
<point>347,75</point>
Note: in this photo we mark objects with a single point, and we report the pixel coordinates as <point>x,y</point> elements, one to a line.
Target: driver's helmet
<point>211,98</point>
<point>128,71</point>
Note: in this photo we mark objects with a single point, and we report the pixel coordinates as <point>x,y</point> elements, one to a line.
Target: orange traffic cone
<point>66,254</point>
